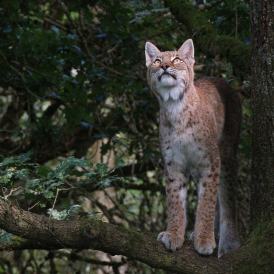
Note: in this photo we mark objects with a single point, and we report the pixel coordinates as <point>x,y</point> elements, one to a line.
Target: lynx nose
<point>165,67</point>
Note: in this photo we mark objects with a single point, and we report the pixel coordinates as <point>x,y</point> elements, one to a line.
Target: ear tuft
<point>187,49</point>
<point>151,52</point>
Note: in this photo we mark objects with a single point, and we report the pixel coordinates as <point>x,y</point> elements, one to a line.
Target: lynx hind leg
<point>176,191</point>
<point>228,233</point>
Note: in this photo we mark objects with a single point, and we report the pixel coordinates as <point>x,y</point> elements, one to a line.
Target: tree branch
<point>74,256</point>
<point>45,233</point>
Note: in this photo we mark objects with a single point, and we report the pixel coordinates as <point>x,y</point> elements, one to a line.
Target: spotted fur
<point>199,133</point>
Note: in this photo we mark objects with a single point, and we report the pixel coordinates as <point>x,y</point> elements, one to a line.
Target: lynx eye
<point>157,62</point>
<point>177,60</point>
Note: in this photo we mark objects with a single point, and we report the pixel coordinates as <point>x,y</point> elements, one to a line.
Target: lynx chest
<point>182,149</point>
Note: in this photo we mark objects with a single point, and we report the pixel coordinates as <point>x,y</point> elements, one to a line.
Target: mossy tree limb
<point>42,232</point>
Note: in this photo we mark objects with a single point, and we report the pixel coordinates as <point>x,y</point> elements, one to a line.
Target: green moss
<point>261,251</point>
<point>10,241</point>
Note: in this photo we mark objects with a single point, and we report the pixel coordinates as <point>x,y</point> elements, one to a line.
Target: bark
<point>45,233</point>
<point>262,96</point>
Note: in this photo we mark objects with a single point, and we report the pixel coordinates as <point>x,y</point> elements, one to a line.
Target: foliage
<point>40,182</point>
<point>260,245</point>
<point>73,86</point>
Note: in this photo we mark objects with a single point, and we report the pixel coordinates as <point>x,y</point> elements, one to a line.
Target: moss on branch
<point>260,249</point>
<point>42,232</point>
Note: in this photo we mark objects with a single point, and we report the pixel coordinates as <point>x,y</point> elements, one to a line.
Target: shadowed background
<point>78,124</point>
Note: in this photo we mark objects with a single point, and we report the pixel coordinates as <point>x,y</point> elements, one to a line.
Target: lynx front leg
<point>204,239</point>
<point>176,191</point>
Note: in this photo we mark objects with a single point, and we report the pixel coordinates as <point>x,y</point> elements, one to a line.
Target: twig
<point>33,206</point>
<point>74,256</point>
<point>56,196</point>
<point>11,192</point>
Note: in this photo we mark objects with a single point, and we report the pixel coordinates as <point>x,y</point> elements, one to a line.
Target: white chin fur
<point>168,88</point>
<point>175,93</point>
<point>172,93</point>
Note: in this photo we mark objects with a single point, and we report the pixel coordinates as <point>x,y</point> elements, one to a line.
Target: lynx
<point>199,134</point>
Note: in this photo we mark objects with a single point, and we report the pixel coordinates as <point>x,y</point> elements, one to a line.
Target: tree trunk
<point>262,96</point>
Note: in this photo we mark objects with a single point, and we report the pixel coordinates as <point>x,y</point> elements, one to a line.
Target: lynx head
<point>170,73</point>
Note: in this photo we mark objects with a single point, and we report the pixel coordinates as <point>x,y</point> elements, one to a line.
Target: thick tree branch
<point>46,233</point>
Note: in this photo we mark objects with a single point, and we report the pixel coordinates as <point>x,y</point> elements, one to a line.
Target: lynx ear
<point>151,52</point>
<point>187,50</point>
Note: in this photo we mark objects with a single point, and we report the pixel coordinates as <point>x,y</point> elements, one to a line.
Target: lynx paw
<point>204,246</point>
<point>171,241</point>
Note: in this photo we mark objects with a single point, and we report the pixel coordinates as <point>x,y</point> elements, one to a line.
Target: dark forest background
<point>79,126</point>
